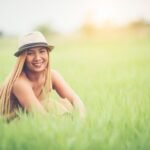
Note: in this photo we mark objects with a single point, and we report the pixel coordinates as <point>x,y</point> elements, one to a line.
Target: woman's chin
<point>41,69</point>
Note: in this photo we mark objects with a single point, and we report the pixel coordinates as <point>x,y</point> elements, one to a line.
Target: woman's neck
<point>36,77</point>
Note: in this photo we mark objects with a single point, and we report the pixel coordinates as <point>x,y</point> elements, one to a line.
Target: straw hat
<point>30,40</point>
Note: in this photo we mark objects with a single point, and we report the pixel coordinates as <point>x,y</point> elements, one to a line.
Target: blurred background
<point>86,17</point>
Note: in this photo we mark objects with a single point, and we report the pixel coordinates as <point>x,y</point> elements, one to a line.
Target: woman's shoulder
<point>55,75</point>
<point>54,72</point>
<point>21,81</point>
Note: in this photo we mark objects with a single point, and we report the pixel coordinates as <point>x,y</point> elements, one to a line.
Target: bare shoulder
<point>54,72</point>
<point>21,82</point>
<point>55,75</point>
<point>57,79</point>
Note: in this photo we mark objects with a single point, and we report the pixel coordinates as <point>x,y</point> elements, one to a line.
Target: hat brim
<point>32,45</point>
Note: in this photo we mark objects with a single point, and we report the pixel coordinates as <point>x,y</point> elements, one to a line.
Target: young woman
<point>32,80</point>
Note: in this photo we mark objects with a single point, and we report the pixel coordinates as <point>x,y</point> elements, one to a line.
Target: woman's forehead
<point>37,48</point>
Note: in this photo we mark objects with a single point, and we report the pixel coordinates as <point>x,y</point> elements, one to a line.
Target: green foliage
<point>112,79</point>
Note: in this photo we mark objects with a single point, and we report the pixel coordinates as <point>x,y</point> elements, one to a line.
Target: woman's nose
<point>37,56</point>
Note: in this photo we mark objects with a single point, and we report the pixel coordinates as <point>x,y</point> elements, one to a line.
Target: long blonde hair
<point>6,89</point>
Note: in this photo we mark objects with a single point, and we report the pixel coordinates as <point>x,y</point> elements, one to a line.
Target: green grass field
<point>112,77</point>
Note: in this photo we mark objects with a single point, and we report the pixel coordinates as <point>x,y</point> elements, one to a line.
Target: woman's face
<point>37,59</point>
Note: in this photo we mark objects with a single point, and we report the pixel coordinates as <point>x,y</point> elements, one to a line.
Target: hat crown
<point>33,37</point>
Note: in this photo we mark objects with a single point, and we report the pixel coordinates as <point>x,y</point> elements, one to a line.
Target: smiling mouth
<point>37,64</point>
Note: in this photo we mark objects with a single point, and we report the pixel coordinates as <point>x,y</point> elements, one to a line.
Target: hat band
<point>30,45</point>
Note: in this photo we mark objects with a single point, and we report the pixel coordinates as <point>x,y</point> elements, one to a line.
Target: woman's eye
<point>29,53</point>
<point>42,51</point>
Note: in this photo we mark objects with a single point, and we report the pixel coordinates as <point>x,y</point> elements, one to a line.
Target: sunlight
<point>116,11</point>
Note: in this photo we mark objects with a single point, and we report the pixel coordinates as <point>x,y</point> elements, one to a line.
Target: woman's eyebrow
<point>29,50</point>
<point>41,48</point>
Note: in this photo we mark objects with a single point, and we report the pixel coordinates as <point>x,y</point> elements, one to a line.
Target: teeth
<point>37,64</point>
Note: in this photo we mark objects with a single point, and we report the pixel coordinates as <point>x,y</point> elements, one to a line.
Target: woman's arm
<point>65,91</point>
<point>25,95</point>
